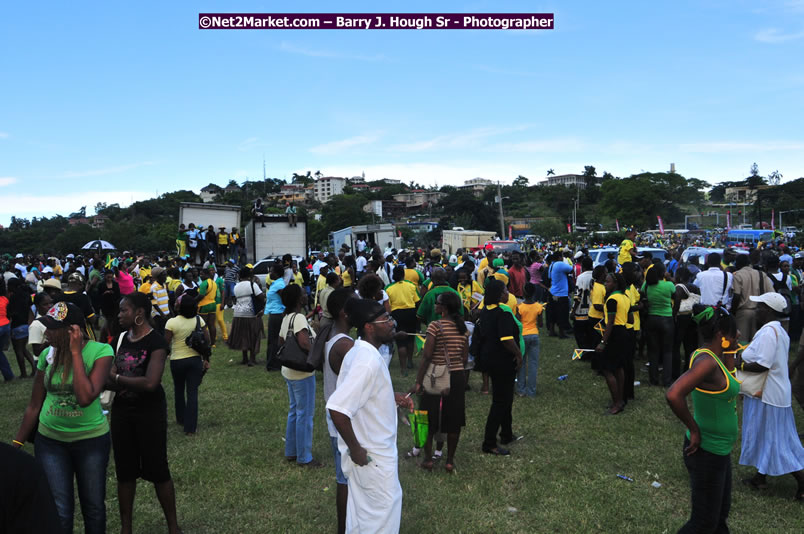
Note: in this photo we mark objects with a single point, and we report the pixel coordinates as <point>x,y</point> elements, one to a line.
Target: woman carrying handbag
<point>441,379</point>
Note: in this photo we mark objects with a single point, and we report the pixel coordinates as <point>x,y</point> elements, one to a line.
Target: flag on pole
<point>661,224</point>
<point>599,327</point>
<point>773,219</point>
<point>569,228</point>
<point>617,222</point>
<point>577,353</point>
<point>419,342</point>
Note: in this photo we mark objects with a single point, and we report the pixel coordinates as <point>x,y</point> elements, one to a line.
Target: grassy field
<point>562,477</point>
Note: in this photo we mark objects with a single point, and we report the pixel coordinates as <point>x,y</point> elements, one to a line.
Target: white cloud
<point>27,205</point>
<point>7,180</point>
<point>730,146</point>
<point>336,147</point>
<point>331,54</point>
<point>775,35</point>
<point>107,170</point>
<point>546,145</point>
<point>470,139</point>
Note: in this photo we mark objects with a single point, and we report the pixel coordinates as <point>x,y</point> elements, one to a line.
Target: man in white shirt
<point>318,264</point>
<point>715,283</point>
<point>389,250</point>
<point>19,266</point>
<point>361,245</point>
<point>360,262</point>
<point>363,409</point>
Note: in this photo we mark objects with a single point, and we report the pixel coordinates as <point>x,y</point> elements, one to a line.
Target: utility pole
<point>502,219</point>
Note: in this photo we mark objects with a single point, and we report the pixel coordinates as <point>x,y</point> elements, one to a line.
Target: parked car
<point>501,247</point>
<point>262,267</point>
<point>704,252</point>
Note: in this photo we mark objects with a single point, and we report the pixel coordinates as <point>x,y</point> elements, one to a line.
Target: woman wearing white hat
<point>770,440</point>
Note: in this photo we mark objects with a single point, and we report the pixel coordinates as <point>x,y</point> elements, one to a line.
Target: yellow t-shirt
<point>403,295</point>
<point>145,288</point>
<point>501,276</point>
<point>172,284</point>
<point>347,278</point>
<point>469,289</point>
<point>625,251</point>
<point>233,238</point>
<point>413,275</point>
<point>623,306</point>
<point>298,279</point>
<point>633,295</point>
<point>530,314</point>
<point>181,327</point>
<point>223,238</point>
<point>596,296</point>
<point>144,271</point>
<point>483,264</point>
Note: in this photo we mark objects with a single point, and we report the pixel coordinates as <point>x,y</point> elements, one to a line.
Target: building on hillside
<point>357,180</point>
<point>77,219</point>
<point>574,180</point>
<point>391,181</point>
<point>327,187</point>
<point>419,198</point>
<point>232,188</point>
<point>209,192</point>
<point>99,220</point>
<point>385,208</point>
<point>743,194</point>
<point>476,185</point>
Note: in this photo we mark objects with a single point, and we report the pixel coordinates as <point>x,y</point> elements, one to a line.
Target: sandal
<point>450,468</point>
<point>427,465</point>
<point>412,453</point>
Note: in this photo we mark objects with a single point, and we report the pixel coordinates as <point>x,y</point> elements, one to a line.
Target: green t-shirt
<point>219,296</point>
<point>62,418</point>
<point>427,307</point>
<point>660,298</point>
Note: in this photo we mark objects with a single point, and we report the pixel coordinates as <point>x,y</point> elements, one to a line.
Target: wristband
<point>15,442</point>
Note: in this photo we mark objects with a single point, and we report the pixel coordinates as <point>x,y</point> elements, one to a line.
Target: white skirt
<point>770,440</point>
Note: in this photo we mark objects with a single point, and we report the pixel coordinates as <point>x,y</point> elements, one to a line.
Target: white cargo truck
<point>202,215</point>
<point>273,237</point>
<point>452,240</point>
<point>379,234</point>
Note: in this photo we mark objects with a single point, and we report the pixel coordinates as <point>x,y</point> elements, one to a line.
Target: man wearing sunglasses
<point>363,409</point>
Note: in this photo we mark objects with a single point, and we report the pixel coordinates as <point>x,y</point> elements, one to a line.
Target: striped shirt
<point>159,298</point>
<point>447,336</point>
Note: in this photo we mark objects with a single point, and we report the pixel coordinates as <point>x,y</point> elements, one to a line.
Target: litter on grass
<point>629,479</point>
<point>656,484</point>
<point>512,509</point>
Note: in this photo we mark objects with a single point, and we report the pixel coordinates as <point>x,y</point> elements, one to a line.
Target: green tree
<point>520,182</point>
<point>344,210</point>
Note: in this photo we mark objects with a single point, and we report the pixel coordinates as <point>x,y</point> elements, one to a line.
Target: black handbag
<point>198,342</point>
<point>290,354</point>
<point>257,301</point>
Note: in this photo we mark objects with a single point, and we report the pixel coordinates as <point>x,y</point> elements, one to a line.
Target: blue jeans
<point>5,368</point>
<point>526,377</point>
<point>299,431</point>
<point>187,373</point>
<point>85,461</point>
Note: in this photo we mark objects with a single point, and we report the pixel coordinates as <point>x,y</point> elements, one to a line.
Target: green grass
<point>561,477</point>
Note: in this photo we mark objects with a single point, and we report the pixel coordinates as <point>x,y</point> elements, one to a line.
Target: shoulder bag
<point>107,395</point>
<point>437,377</point>
<point>290,354</point>
<point>685,307</point>
<point>198,342</point>
<point>752,384</point>
<point>257,301</point>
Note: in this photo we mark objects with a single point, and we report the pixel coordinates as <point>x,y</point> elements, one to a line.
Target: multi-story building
<point>209,192</point>
<point>327,187</point>
<point>476,185</point>
<point>574,180</point>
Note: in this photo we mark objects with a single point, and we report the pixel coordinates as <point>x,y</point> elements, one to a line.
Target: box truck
<point>273,237</point>
<point>452,240</point>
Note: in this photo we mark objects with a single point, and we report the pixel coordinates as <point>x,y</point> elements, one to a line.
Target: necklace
<point>134,340</point>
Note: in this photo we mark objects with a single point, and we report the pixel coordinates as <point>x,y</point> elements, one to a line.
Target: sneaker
<point>413,453</point>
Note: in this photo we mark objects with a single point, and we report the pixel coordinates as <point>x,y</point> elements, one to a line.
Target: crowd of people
<point>112,324</point>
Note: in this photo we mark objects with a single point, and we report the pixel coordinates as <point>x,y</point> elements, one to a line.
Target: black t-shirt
<point>109,299</point>
<point>494,326</point>
<point>26,503</point>
<point>19,306</point>
<point>132,359</point>
<point>81,300</point>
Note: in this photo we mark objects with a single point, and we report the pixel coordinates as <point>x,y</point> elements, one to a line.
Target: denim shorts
<point>19,332</point>
<point>339,476</point>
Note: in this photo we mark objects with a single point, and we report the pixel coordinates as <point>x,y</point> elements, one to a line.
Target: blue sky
<point>111,102</point>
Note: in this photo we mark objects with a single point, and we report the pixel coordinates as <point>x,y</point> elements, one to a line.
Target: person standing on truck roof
<point>223,244</point>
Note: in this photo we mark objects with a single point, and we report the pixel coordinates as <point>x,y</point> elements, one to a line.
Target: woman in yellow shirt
<point>404,297</point>
<point>615,340</point>
<point>471,292</point>
<point>530,312</point>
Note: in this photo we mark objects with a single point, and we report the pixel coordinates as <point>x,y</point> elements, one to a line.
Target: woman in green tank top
<point>713,430</point>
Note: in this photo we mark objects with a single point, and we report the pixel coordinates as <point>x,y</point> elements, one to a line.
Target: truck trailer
<point>273,237</point>
<point>452,240</point>
<point>379,234</point>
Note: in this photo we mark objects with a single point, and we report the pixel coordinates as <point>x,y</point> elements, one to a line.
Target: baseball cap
<point>70,256</point>
<point>75,277</point>
<point>498,262</point>
<point>19,255</point>
<point>774,300</point>
<point>52,282</point>
<point>62,315</point>
<point>578,255</point>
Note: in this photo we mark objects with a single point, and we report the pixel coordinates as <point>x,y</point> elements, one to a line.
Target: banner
<point>510,232</point>
<point>617,222</point>
<point>661,224</point>
<point>728,220</point>
<point>773,220</point>
<point>569,228</point>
